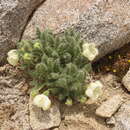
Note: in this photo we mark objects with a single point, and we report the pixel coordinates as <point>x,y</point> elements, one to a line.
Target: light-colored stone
<point>14,113</point>
<point>42,120</point>
<point>111,121</point>
<point>14,15</point>
<point>81,117</point>
<point>111,80</point>
<point>123,117</point>
<point>55,129</point>
<point>104,22</point>
<point>126,81</point>
<point>112,86</point>
<point>109,107</point>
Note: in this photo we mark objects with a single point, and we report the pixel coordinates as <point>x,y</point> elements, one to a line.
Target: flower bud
<point>27,56</point>
<point>94,90</point>
<point>69,102</point>
<point>37,45</point>
<point>42,101</point>
<point>13,57</point>
<point>34,93</point>
<point>82,99</point>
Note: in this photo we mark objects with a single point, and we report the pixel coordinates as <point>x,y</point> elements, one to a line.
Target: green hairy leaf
<point>56,65</point>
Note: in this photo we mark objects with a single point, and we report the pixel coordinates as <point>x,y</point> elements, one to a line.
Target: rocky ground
<point>110,112</point>
<point>104,22</point>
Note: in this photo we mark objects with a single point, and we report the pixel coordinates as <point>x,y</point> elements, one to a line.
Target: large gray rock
<point>43,120</point>
<point>107,24</point>
<point>104,22</point>
<point>14,15</point>
<point>126,80</point>
<point>56,15</point>
<point>123,117</point>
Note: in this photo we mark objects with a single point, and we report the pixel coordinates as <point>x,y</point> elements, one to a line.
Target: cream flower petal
<point>90,51</point>
<point>13,57</point>
<point>94,90</point>
<point>42,101</point>
<point>12,52</point>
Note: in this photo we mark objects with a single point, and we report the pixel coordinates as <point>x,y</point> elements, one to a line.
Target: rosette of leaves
<point>56,64</point>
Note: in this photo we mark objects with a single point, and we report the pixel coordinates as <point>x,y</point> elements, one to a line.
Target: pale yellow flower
<point>42,101</point>
<point>90,51</point>
<point>94,90</point>
<point>13,57</point>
